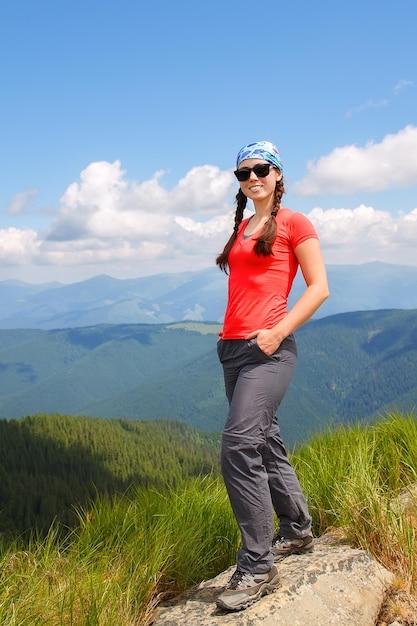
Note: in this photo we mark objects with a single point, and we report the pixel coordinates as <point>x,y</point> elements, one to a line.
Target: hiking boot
<point>243,589</point>
<point>283,547</point>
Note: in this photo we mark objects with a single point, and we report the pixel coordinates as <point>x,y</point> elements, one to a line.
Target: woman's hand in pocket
<point>267,340</point>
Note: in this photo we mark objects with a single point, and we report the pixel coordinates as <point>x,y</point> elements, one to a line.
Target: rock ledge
<point>335,585</point>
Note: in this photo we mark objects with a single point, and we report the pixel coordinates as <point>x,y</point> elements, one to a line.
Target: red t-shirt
<point>259,285</point>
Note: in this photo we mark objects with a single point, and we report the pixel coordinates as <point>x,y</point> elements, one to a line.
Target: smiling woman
<point>258,352</point>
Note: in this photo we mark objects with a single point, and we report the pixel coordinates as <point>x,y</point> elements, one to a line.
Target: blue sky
<point>120,123</point>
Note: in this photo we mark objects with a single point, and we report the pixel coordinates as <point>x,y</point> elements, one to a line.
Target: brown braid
<point>263,245</point>
<point>241,201</point>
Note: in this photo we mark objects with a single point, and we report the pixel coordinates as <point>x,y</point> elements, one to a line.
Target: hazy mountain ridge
<point>199,296</point>
<point>351,366</point>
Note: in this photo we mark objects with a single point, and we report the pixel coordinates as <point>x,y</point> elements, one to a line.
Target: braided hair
<point>263,245</point>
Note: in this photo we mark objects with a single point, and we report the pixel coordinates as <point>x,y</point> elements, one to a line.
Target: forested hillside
<point>49,463</point>
<point>351,366</point>
<point>355,366</point>
<point>70,370</point>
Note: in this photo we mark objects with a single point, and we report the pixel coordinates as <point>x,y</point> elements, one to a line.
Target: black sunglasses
<point>260,169</point>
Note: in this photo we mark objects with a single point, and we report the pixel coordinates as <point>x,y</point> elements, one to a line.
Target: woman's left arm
<point>312,266</point>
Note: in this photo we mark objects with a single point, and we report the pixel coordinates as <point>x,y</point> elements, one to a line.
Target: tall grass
<point>125,556</point>
<point>130,552</point>
<point>354,478</point>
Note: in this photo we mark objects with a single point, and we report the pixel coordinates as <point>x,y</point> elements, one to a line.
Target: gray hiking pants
<point>257,473</point>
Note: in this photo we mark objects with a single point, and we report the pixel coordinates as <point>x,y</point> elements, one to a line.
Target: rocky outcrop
<point>335,585</point>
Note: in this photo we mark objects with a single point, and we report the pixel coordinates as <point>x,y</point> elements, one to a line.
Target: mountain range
<point>198,296</point>
<point>351,366</point>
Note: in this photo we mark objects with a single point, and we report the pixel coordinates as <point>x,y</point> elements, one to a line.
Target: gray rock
<point>335,585</point>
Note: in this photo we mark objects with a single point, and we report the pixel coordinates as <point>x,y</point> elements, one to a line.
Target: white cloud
<point>106,205</point>
<point>215,226</point>
<point>202,190</point>
<point>363,234</point>
<point>392,163</point>
<point>18,246</point>
<point>106,223</point>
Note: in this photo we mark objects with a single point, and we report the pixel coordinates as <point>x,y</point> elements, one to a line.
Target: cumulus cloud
<point>18,246</point>
<point>392,163</point>
<point>364,234</point>
<point>202,189</point>
<point>105,204</point>
<point>107,223</point>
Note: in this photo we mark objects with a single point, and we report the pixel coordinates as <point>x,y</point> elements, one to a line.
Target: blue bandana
<point>260,150</point>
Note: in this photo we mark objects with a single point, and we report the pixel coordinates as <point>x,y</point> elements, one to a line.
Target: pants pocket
<point>256,350</point>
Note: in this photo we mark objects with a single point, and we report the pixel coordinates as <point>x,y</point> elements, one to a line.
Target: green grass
<point>130,552</point>
<point>126,555</point>
<point>354,477</point>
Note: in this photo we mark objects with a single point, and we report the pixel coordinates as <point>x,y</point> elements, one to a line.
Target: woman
<point>258,352</point>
